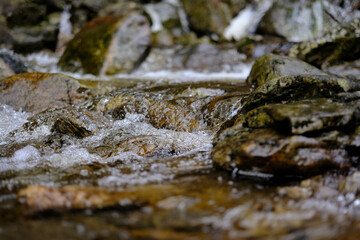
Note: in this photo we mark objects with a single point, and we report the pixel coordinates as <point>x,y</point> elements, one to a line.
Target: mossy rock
<point>303,116</point>
<point>207,16</point>
<point>108,45</point>
<point>36,92</point>
<point>298,87</point>
<point>264,151</point>
<point>271,66</point>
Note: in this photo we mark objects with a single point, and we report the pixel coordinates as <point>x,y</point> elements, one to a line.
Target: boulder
<point>337,45</point>
<point>303,116</point>
<point>36,92</point>
<point>296,21</point>
<point>298,87</point>
<point>207,17</point>
<point>271,66</point>
<point>108,45</point>
<point>264,151</point>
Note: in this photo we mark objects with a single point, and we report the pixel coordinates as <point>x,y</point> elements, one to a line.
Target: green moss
<point>88,49</point>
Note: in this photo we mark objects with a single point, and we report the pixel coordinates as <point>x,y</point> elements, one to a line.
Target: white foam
<point>10,120</point>
<point>155,18</point>
<point>246,21</point>
<point>25,158</point>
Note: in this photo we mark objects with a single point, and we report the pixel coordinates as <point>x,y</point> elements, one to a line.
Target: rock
<point>351,184</point>
<point>66,126</point>
<point>264,151</point>
<point>207,17</point>
<point>35,38</point>
<point>22,13</point>
<point>160,113</point>
<point>201,57</point>
<point>170,116</point>
<point>296,21</point>
<point>303,116</point>
<point>5,70</point>
<point>38,198</point>
<point>108,45</point>
<point>339,44</point>
<point>271,66</point>
<point>36,92</point>
<point>6,40</point>
<point>16,62</point>
<point>298,87</point>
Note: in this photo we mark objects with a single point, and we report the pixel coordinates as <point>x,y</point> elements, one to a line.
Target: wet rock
<point>38,198</point>
<point>36,92</point>
<point>296,21</point>
<point>303,116</point>
<point>264,151</point>
<point>108,45</point>
<point>339,44</point>
<point>5,70</point>
<point>66,126</point>
<point>162,115</point>
<point>206,17</point>
<point>298,87</point>
<point>271,66</point>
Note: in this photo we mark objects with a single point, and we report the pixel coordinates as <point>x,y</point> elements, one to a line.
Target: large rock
<point>206,16</point>
<point>337,45</point>
<point>36,92</point>
<point>272,66</point>
<point>108,45</point>
<point>264,151</point>
<point>303,116</point>
<point>298,87</point>
<point>296,21</point>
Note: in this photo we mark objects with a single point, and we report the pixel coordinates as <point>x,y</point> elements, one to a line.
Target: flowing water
<point>170,186</point>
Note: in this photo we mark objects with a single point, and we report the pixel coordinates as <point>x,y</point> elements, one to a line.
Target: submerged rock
<point>108,45</point>
<point>38,198</point>
<point>265,151</point>
<point>271,66</point>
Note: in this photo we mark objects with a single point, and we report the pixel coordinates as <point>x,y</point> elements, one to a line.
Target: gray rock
<point>303,116</point>
<point>108,45</point>
<point>271,66</point>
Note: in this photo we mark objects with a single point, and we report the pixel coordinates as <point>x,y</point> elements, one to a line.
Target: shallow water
<point>177,192</point>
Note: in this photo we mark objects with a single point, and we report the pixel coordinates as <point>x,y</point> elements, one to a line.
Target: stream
<point>134,159</point>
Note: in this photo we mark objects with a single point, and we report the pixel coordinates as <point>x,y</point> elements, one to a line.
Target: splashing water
<point>246,21</point>
<point>10,120</point>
